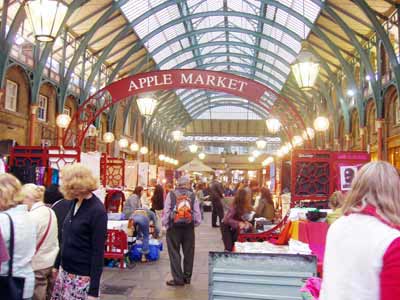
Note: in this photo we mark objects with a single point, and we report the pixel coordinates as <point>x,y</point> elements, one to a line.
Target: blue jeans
<point>142,223</point>
<point>153,217</point>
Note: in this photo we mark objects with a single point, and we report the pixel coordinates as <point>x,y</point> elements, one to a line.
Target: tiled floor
<point>147,281</point>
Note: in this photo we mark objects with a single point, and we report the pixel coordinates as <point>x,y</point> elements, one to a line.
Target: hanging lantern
<point>45,17</point>
<point>251,159</point>
<point>177,135</point>
<point>261,143</point>
<point>321,124</point>
<point>63,120</point>
<point>309,133</point>
<point>305,69</point>
<point>134,147</point>
<point>273,125</point>
<point>144,150</point>
<point>147,104</point>
<point>297,140</point>
<point>161,157</point>
<point>108,137</point>
<point>193,148</point>
<point>123,143</point>
<point>202,155</point>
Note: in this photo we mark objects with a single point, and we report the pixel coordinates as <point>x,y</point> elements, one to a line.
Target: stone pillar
<point>347,142</point>
<point>363,140</point>
<point>32,124</point>
<point>379,129</point>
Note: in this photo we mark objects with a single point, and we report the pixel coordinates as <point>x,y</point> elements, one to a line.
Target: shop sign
<point>189,79</point>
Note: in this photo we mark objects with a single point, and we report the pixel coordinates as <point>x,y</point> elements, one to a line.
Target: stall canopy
<point>195,166</point>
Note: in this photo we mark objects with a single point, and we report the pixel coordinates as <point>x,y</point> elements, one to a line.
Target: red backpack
<point>183,209</point>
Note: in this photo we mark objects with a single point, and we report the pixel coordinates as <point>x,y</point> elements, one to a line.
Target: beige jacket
<point>47,253</point>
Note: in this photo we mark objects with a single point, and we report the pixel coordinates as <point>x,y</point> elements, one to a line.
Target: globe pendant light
<point>193,148</point>
<point>202,156</point>
<point>108,137</point>
<point>161,157</point>
<point>134,147</point>
<point>63,120</point>
<point>177,135</point>
<point>321,124</point>
<point>251,159</point>
<point>144,150</point>
<point>261,143</point>
<point>147,104</point>
<point>273,125</point>
<point>123,143</point>
<point>46,17</point>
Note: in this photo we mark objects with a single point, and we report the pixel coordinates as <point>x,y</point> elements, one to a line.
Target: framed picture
<point>347,174</point>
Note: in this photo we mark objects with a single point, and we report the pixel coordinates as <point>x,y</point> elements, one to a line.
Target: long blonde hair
<point>9,188</point>
<point>377,184</point>
<point>31,191</point>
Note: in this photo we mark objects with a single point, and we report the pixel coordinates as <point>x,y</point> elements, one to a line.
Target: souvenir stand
<point>41,165</point>
<point>315,175</point>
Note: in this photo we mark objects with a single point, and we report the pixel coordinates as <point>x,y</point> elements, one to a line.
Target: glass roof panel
<point>281,53</point>
<point>229,113</point>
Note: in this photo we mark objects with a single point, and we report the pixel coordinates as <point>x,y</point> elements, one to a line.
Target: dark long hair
<point>138,190</point>
<point>242,202</point>
<point>266,195</point>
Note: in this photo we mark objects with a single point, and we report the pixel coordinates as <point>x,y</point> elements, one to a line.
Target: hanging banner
<point>143,174</point>
<point>189,79</point>
<point>131,173</point>
<point>152,172</point>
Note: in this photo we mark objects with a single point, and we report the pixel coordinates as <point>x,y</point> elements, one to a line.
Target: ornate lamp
<point>273,125</point>
<point>305,69</point>
<point>46,17</point>
<point>193,148</point>
<point>261,143</point>
<point>321,124</point>
<point>202,155</point>
<point>147,104</point>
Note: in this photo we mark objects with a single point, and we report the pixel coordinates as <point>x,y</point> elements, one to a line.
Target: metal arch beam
<point>363,56</point>
<point>83,46</point>
<point>95,69</point>
<point>38,70</point>
<point>380,31</point>
<point>260,28</point>
<point>238,44</point>
<point>213,29</point>
<point>6,44</point>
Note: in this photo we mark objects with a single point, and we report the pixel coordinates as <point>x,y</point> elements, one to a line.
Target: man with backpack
<point>181,215</point>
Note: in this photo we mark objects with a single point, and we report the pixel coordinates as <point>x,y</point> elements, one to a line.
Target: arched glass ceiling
<point>229,113</point>
<point>249,38</point>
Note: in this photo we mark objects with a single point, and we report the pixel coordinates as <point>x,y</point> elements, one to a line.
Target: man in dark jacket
<point>216,196</point>
<point>157,203</point>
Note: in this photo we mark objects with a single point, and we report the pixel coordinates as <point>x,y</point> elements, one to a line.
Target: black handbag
<point>11,287</point>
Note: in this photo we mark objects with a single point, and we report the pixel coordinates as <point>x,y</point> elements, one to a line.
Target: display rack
<point>112,171</point>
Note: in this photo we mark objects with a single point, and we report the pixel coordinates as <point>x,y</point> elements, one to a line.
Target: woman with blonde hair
<point>84,235</point>
<point>14,213</point>
<point>362,256</point>
<point>46,250</point>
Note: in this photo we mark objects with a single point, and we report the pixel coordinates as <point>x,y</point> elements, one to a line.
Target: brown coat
<point>265,209</point>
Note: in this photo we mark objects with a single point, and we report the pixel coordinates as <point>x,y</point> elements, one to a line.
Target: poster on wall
<point>143,174</point>
<point>131,173</point>
<point>152,172</point>
<point>347,174</point>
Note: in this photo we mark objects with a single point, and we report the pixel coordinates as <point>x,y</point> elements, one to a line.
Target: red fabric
<point>390,275</point>
<point>284,237</point>
<point>314,234</point>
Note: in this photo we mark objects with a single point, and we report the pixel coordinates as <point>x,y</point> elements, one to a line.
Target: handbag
<point>11,287</point>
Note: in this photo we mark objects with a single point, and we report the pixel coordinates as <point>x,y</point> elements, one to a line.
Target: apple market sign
<point>187,79</point>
